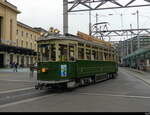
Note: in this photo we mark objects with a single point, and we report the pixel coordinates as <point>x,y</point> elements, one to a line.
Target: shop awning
<point>17,50</point>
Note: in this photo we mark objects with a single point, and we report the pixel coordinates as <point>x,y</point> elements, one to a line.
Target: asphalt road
<point>127,93</point>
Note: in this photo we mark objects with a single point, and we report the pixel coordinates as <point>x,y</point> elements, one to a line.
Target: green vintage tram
<point>70,61</point>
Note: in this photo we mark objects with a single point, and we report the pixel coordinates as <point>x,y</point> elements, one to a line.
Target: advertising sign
<point>63,70</point>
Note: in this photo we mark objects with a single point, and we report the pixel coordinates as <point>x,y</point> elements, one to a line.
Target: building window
<point>17,42</point>
<point>22,61</point>
<point>28,61</point>
<point>35,46</point>
<point>31,45</point>
<point>22,33</point>
<point>35,38</point>
<point>31,36</point>
<point>18,59</point>
<point>26,34</point>
<point>0,28</point>
<point>11,27</point>
<point>11,58</point>
<point>22,43</point>
<point>27,44</point>
<point>31,62</point>
<point>17,32</point>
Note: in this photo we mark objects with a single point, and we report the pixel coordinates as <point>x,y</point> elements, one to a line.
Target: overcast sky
<point>49,13</point>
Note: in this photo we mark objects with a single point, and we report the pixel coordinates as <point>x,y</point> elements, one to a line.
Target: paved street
<point>130,92</point>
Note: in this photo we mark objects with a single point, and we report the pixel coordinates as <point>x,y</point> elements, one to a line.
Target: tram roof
<point>70,37</point>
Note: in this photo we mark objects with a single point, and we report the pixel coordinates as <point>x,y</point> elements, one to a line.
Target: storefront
<point>1,60</point>
<point>24,57</point>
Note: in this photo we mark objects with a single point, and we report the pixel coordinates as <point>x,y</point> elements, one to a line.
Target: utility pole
<point>127,45</point>
<point>138,37</point>
<point>121,20</point>
<point>131,40</point>
<point>96,18</point>
<point>65,17</point>
<point>96,23</point>
<point>90,24</point>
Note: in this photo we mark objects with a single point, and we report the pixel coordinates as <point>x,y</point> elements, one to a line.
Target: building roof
<point>39,29</point>
<point>26,26</point>
<point>11,6</point>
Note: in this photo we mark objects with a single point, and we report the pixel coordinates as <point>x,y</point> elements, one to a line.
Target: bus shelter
<point>140,59</point>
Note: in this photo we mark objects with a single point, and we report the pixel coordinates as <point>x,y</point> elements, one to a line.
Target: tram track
<point>13,97</point>
<point>7,98</point>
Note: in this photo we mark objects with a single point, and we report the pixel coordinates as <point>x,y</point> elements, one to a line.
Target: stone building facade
<point>17,40</point>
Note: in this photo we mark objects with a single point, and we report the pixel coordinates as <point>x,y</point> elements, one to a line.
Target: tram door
<point>1,60</point>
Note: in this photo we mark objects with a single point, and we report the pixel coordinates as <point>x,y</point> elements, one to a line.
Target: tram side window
<point>81,53</point>
<point>100,56</point>
<point>94,57</point>
<point>63,52</point>
<point>66,53</point>
<point>53,52</point>
<point>71,53</point>
<point>88,54</point>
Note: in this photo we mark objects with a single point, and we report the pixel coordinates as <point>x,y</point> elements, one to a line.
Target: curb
<point>142,79</point>
<point>138,77</point>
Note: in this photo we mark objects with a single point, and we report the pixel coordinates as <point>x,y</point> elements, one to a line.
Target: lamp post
<point>138,29</point>
<point>90,23</point>
<point>138,37</point>
<point>131,50</point>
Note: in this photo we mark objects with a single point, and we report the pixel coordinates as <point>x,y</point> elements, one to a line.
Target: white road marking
<point>15,90</point>
<point>112,95</point>
<point>24,101</point>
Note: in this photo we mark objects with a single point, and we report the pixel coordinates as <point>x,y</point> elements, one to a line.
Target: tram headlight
<point>43,70</point>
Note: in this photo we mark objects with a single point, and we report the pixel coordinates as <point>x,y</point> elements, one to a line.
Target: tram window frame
<point>53,52</point>
<point>94,55</point>
<point>44,52</point>
<point>63,52</point>
<point>66,52</point>
<point>81,53</point>
<point>71,52</point>
<point>88,54</point>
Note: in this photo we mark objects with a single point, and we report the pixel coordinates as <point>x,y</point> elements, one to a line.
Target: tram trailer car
<point>74,74</point>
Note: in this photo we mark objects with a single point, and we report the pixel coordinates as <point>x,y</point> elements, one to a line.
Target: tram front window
<point>56,52</point>
<point>44,53</point>
<point>67,53</point>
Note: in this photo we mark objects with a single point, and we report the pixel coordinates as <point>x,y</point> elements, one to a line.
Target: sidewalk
<point>11,70</point>
<point>142,75</point>
<point>23,75</point>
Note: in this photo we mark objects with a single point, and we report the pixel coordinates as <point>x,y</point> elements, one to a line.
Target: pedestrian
<point>31,70</point>
<point>13,65</point>
<point>16,67</point>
